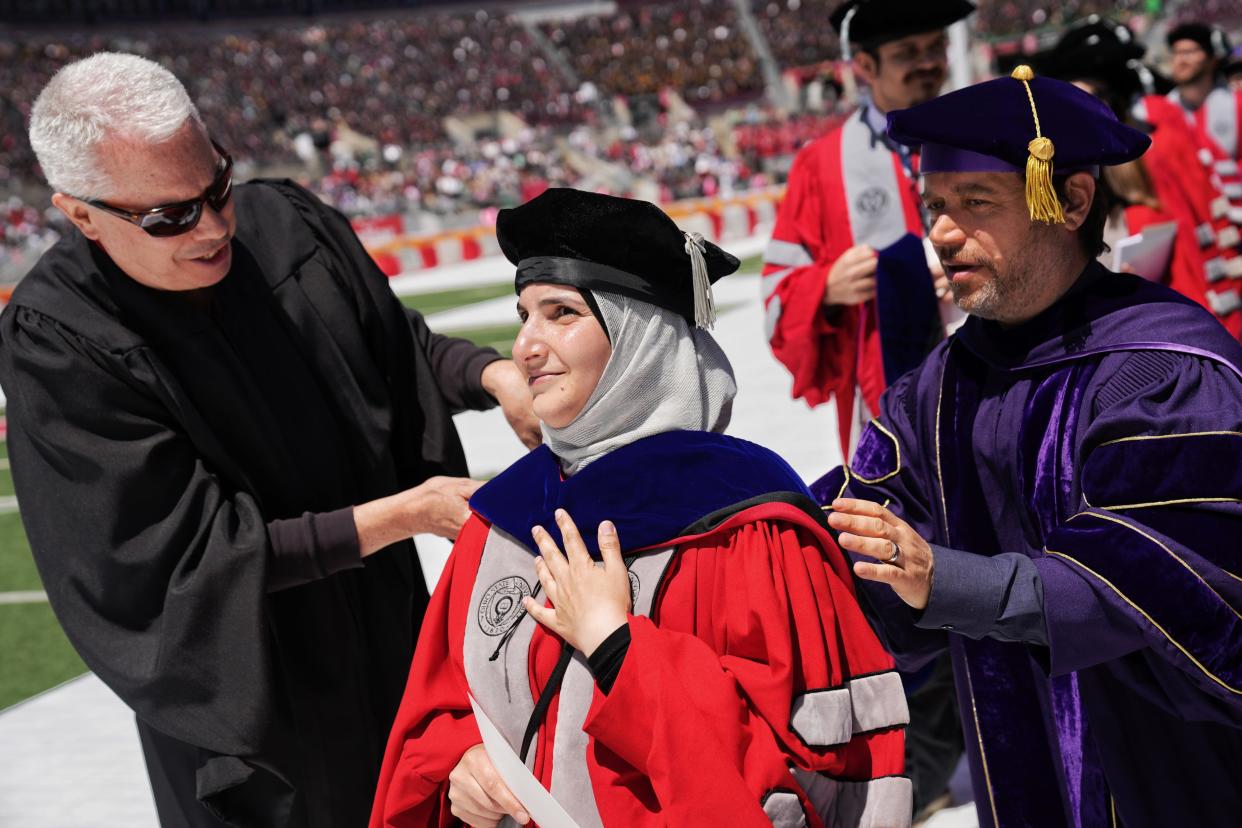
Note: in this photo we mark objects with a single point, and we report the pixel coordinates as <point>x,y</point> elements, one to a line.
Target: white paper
<point>1146,254</point>
<point>541,805</point>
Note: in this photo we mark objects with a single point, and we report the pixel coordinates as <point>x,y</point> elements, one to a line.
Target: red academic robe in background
<point>1200,268</point>
<point>846,188</point>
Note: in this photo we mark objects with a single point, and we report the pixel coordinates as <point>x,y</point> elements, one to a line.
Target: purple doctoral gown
<point>1080,480</point>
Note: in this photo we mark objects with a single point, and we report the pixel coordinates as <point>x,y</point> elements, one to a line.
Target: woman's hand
<point>869,529</point>
<point>589,602</point>
<point>478,796</point>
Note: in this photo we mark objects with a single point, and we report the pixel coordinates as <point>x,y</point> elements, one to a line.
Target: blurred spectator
<point>25,232</point>
<point>1224,13</point>
<point>782,136</point>
<point>392,80</point>
<point>1233,71</point>
<point>797,31</point>
<point>697,48</point>
<point>1007,18</point>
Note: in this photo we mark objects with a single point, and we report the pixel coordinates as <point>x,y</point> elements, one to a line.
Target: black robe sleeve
<point>161,577</point>
<point>457,364</point>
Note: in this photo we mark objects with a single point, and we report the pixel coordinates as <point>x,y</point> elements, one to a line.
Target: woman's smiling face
<point>561,349</point>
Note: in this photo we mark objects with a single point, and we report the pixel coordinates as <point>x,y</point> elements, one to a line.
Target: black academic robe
<point>185,471</point>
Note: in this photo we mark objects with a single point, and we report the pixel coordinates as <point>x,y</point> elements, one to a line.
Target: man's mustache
<point>925,75</point>
<point>954,258</point>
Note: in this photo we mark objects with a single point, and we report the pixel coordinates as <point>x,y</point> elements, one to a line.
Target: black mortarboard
<point>1097,50</point>
<point>1037,126</point>
<point>874,22</point>
<point>1212,39</point>
<point>616,245</point>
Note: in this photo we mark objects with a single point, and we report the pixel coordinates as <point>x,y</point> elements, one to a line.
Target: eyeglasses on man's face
<point>182,217</point>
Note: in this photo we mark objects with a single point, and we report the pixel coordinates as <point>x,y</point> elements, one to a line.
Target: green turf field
<point>429,303</point>
<point>17,569</point>
<point>34,654</point>
<point>751,264</point>
<point>499,337</point>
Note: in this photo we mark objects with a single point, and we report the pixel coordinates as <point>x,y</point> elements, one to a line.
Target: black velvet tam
<point>1097,50</point>
<point>1212,40</point>
<point>994,119</point>
<point>600,242</point>
<point>881,21</point>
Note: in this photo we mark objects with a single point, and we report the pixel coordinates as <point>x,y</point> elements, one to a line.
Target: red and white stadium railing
<point>718,219</point>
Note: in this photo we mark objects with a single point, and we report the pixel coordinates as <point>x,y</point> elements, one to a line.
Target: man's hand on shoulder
<point>437,506</point>
<point>904,559</point>
<point>851,279</point>
<point>504,381</point>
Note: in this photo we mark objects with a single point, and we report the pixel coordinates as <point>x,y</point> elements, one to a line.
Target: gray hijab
<point>663,375</point>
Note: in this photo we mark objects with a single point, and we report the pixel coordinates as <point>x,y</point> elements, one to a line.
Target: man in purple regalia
<point>1055,494</point>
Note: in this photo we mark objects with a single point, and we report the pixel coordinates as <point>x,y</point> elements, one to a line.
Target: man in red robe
<point>850,194</point>
<point>1211,108</point>
<point>1168,183</point>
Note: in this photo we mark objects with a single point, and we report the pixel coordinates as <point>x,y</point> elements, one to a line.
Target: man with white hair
<point>224,430</point>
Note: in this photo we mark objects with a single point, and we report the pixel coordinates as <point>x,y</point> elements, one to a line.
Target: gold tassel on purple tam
<point>1041,196</point>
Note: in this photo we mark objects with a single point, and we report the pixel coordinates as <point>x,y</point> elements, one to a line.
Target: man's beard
<point>1008,292</point>
<point>924,86</point>
<point>981,301</point>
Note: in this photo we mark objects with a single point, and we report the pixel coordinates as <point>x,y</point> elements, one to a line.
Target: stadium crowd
<point>697,48</point>
<point>794,41</point>
<point>681,161</point>
<point>1008,18</point>
<point>394,80</point>
<point>279,95</point>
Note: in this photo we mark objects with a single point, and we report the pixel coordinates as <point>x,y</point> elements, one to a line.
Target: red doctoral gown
<point>753,691</point>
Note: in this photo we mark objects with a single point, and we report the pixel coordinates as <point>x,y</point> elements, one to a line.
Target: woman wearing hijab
<point>695,655</point>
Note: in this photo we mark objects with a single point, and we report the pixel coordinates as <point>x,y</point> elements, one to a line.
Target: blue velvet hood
<point>657,489</point>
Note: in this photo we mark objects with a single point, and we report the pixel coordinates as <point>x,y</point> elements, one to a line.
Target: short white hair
<point>107,95</point>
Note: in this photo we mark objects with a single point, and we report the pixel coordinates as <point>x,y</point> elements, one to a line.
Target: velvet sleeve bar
<point>1002,597</point>
<point>311,547</point>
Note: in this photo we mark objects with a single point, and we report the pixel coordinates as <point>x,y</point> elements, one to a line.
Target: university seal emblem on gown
<point>502,604</point>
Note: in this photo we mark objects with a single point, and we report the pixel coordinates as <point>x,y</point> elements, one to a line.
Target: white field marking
<point>33,596</point>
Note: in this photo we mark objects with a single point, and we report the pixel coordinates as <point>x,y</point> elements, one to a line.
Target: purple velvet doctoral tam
<point>1080,480</point>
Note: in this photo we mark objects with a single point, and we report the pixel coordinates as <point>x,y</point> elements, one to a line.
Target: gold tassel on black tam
<point>1041,197</point>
